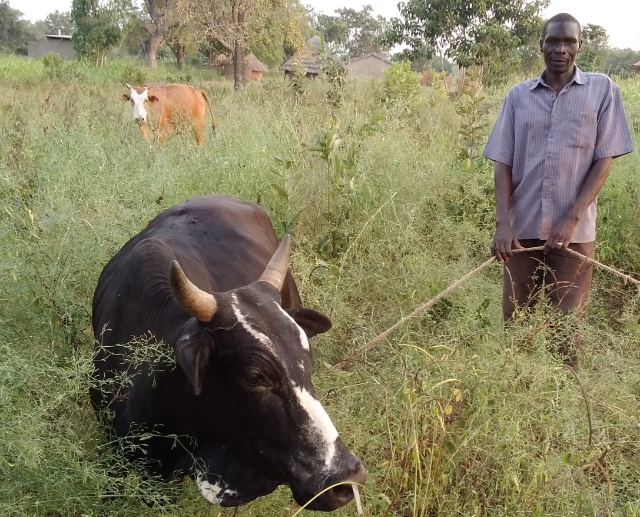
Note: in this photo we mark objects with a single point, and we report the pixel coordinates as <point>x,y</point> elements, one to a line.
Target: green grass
<point>453,415</point>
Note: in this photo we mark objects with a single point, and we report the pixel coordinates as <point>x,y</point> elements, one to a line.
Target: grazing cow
<point>171,106</point>
<point>238,412</point>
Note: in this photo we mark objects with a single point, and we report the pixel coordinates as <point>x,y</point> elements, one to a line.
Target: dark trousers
<point>567,280</point>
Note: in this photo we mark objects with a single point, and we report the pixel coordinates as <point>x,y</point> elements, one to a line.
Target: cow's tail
<point>206,98</point>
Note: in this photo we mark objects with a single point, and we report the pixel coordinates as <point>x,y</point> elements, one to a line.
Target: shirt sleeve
<point>500,146</point>
<point>613,138</point>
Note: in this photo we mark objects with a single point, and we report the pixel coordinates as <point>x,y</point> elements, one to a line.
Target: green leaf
<point>281,191</point>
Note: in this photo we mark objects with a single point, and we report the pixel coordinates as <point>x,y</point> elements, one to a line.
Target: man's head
<point>560,43</point>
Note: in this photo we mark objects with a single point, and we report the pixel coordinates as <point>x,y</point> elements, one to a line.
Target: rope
<point>461,281</point>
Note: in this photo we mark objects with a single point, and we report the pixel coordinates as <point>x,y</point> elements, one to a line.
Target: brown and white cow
<point>169,107</point>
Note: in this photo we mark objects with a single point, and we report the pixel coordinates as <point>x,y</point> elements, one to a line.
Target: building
<point>308,59</point>
<point>371,65</point>
<point>57,43</point>
<point>253,67</point>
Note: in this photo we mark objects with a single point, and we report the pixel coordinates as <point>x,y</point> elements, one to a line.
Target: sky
<point>618,17</point>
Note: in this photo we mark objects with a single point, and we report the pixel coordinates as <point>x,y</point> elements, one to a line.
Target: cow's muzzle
<point>333,497</point>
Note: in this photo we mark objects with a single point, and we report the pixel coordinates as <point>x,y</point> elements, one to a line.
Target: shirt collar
<point>578,77</point>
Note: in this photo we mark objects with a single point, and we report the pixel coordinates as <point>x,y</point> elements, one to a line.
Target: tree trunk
<point>150,49</point>
<point>178,51</point>
<point>238,67</point>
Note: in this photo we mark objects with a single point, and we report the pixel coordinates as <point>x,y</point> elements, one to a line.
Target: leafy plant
<point>335,74</point>
<point>284,190</point>
<point>56,67</point>
<point>473,126</point>
<point>400,84</point>
<point>298,82</point>
<point>133,74</point>
<point>347,190</point>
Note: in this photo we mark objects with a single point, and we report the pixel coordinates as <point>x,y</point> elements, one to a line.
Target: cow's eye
<point>254,379</point>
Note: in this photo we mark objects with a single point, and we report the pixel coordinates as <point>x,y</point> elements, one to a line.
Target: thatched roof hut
<point>636,67</point>
<point>308,59</point>
<point>254,68</point>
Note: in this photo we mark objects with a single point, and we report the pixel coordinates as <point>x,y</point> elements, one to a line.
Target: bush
<point>133,74</point>
<point>400,84</point>
<point>57,67</point>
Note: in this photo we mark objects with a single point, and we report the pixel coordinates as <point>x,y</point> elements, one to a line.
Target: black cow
<point>238,412</point>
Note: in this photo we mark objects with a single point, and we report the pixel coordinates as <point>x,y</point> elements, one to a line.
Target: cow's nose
<point>342,494</point>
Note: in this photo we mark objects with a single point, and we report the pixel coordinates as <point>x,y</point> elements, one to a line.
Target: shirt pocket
<point>582,129</point>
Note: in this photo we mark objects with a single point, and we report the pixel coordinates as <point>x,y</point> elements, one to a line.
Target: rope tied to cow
<point>430,303</point>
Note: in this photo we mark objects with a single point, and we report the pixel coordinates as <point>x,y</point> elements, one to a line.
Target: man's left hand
<point>561,234</point>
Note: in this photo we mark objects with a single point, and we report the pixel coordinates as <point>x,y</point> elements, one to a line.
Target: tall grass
<point>453,415</point>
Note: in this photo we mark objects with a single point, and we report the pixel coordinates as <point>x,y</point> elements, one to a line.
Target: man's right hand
<point>504,241</point>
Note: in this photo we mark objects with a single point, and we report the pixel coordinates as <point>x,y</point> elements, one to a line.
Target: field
<point>453,415</point>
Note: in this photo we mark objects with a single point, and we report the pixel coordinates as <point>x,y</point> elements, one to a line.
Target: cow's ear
<point>192,354</point>
<point>152,98</point>
<point>312,322</point>
<point>125,97</point>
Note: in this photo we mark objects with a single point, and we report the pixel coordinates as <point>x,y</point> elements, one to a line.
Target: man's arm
<point>504,239</point>
<point>562,232</point>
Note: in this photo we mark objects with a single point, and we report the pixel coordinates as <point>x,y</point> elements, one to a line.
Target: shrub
<point>400,84</point>
<point>133,74</point>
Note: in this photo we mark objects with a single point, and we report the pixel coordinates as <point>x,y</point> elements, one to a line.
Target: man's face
<point>560,46</point>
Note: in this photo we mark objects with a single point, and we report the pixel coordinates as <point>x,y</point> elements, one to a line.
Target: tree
<point>436,63</point>
<point>14,32</point>
<point>59,22</point>
<point>334,30</point>
<point>160,21</point>
<point>595,47</point>
<point>232,23</point>
<point>99,27</point>
<point>352,33</point>
<point>485,34</point>
<point>619,60</point>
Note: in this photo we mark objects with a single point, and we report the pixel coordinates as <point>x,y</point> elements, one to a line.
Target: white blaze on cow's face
<point>321,426</point>
<point>259,336</point>
<point>320,431</point>
<point>138,100</point>
<point>304,342</point>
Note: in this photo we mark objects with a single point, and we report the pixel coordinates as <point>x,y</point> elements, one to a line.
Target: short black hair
<point>561,18</point>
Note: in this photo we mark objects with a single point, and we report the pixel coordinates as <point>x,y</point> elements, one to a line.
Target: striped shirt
<point>550,141</point>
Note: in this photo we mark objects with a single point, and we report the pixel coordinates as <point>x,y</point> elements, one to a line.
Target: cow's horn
<point>128,86</point>
<point>277,267</point>
<point>195,301</point>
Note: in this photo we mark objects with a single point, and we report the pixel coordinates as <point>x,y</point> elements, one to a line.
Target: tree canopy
<point>59,22</point>
<point>99,26</point>
<point>482,33</point>
<point>595,47</point>
<point>15,33</point>
<point>351,33</point>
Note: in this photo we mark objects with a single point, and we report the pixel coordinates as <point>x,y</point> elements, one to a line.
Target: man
<point>553,144</point>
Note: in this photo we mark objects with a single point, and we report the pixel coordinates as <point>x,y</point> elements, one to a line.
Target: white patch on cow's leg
<point>301,365</point>
<point>262,338</point>
<point>207,490</point>
<point>320,420</point>
<point>304,342</point>
<point>139,111</point>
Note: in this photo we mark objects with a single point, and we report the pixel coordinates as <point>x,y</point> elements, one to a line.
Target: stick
<point>376,340</point>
